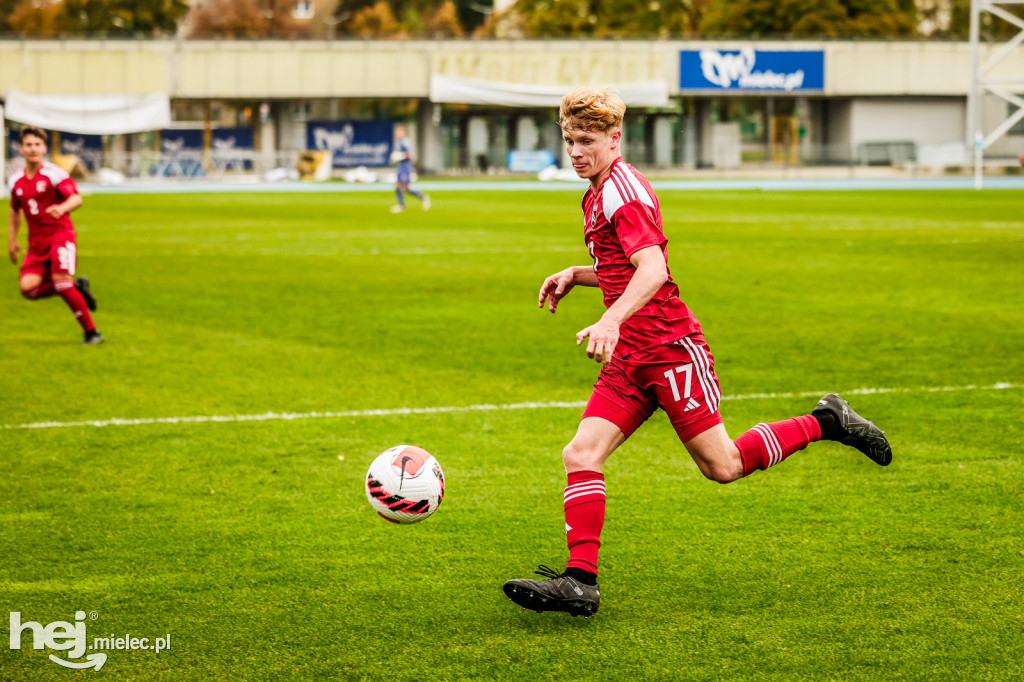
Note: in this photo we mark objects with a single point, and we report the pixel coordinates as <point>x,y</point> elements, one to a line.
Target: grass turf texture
<point>252,544</point>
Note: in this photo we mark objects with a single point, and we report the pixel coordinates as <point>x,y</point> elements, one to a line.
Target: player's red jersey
<point>620,218</point>
<point>50,185</point>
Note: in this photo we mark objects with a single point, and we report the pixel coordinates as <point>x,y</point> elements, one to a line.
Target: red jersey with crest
<point>620,218</point>
<point>50,185</point>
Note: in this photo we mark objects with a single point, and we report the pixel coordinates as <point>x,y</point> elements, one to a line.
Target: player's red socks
<point>766,445</point>
<point>584,518</point>
<point>44,290</point>
<point>66,289</point>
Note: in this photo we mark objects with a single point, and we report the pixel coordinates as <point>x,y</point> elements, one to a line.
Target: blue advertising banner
<point>232,148</point>
<point>181,140</point>
<point>752,70</point>
<point>182,152</point>
<point>229,139</point>
<point>88,149</point>
<point>352,143</point>
<point>530,161</point>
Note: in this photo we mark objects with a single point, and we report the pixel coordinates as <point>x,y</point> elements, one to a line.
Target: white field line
<point>278,416</point>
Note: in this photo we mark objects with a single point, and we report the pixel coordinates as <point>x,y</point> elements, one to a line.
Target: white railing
<point>186,164</point>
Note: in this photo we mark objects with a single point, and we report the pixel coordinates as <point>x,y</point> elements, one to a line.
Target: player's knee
<point>31,293</point>
<point>577,458</point>
<point>725,472</point>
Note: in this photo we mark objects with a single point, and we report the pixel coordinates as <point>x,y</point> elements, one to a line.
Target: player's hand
<point>56,211</point>
<point>603,337</point>
<point>555,288</point>
<point>13,250</point>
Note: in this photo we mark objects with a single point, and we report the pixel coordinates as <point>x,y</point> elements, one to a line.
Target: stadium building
<point>199,108</point>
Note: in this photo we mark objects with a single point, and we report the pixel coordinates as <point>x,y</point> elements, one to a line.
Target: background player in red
<point>46,195</point>
<point>653,354</point>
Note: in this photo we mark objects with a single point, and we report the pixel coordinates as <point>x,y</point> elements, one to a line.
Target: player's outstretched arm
<point>66,206</point>
<point>13,250</point>
<point>561,283</point>
<point>651,273</point>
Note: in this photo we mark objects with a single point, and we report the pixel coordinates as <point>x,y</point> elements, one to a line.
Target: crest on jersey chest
<point>41,186</point>
<point>20,192</point>
<point>593,215</point>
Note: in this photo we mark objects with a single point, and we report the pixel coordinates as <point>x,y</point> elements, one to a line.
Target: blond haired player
<point>653,354</point>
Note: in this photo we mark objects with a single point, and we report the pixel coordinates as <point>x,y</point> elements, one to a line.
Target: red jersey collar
<point>618,159</point>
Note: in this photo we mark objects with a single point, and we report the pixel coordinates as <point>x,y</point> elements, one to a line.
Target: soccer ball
<point>405,484</point>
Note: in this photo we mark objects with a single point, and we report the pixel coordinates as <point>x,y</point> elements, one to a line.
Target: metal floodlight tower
<point>982,82</point>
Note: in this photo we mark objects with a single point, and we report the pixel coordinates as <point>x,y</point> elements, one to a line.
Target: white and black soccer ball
<point>405,484</point>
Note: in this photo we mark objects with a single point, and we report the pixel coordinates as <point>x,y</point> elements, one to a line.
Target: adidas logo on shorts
<point>692,404</point>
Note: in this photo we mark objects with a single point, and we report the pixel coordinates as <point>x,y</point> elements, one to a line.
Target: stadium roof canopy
<point>497,93</point>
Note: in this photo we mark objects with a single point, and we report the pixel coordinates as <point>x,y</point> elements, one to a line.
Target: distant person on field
<point>403,157</point>
<point>653,354</point>
<point>46,195</point>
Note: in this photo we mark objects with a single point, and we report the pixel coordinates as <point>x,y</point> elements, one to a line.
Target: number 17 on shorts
<point>687,372</point>
<point>697,376</point>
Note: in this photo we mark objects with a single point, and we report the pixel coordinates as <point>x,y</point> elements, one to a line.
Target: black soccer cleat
<point>857,431</point>
<point>558,593</point>
<point>82,284</point>
<point>92,338</point>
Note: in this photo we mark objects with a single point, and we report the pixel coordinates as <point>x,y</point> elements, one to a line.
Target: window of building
<point>1018,127</point>
<point>303,9</point>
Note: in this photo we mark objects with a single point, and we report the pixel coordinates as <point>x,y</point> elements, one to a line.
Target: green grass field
<point>252,544</point>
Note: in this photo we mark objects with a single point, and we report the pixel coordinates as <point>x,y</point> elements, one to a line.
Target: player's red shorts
<point>678,377</point>
<point>56,255</point>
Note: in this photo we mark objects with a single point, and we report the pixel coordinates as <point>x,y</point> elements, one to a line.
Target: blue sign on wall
<point>232,148</point>
<point>530,161</point>
<point>231,139</point>
<point>182,152</point>
<point>352,143</point>
<point>751,70</point>
<point>181,140</point>
<point>88,148</point>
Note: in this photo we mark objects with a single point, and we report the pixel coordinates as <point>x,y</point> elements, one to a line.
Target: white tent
<point>90,114</point>
<point>469,91</point>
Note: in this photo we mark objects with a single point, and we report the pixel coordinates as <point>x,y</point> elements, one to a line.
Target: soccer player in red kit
<point>653,354</point>
<point>46,195</point>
